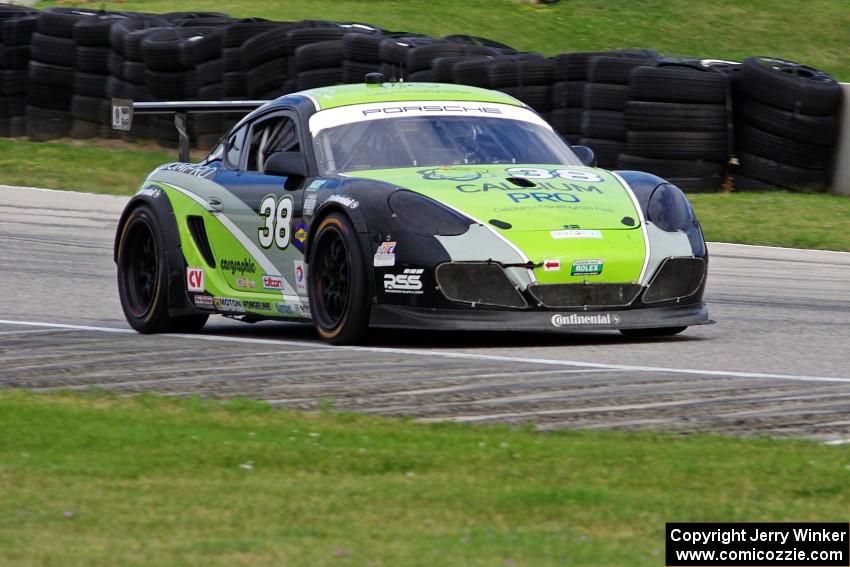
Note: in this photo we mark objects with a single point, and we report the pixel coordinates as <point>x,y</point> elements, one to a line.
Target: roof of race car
<point>344,95</point>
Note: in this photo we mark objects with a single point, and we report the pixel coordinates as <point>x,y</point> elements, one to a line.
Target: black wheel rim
<point>332,278</point>
<point>141,271</point>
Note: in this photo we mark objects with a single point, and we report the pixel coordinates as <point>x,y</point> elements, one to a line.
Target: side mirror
<point>286,164</point>
<point>585,154</point>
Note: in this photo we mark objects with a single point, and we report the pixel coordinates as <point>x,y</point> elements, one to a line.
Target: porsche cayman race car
<point>404,205</point>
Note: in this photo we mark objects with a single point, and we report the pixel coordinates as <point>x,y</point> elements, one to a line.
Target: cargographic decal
<point>242,267</point>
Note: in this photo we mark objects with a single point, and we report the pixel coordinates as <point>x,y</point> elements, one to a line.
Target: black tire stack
<point>678,125</point>
<point>127,68</point>
<point>472,66</point>
<point>234,38</point>
<point>472,71</point>
<point>317,64</point>
<point>316,56</point>
<point>569,75</point>
<point>474,40</point>
<point>361,56</point>
<point>173,60</point>
<point>267,57</point>
<point>16,28</point>
<point>420,59</point>
<point>51,72</point>
<point>436,62</point>
<point>604,98</point>
<point>526,77</point>
<point>264,63</point>
<point>90,105</point>
<point>786,122</point>
<point>393,53</point>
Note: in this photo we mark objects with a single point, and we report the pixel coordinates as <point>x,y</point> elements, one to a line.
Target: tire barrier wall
<point>703,124</point>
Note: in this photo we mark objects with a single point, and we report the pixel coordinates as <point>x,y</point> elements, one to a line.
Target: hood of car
<point>523,197</point>
<point>575,223</point>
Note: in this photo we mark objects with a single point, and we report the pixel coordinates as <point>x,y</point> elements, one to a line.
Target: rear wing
<point>123,111</point>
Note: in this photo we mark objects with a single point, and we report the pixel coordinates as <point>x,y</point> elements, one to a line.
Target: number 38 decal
<point>278,221</point>
<point>538,173</point>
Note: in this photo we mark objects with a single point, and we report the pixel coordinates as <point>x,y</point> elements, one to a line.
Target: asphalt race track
<point>775,363</point>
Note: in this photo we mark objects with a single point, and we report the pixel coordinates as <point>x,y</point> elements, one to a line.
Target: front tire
<point>337,282</point>
<point>652,333</point>
<point>142,277</point>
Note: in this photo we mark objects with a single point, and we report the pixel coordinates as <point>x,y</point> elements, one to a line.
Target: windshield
<point>420,138</point>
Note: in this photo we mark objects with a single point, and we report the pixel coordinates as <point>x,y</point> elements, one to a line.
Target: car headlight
<point>669,209</point>
<point>426,216</point>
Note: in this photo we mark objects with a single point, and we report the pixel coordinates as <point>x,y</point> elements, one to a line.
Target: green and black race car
<point>406,205</point>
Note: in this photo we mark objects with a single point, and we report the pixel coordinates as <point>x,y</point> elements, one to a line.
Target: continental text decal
<point>560,320</point>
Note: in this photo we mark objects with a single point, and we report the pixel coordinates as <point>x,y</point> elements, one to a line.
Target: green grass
<point>95,480</point>
<point>810,31</point>
<point>775,219</point>
<point>95,167</point>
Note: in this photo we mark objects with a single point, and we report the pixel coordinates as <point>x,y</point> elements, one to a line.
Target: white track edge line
<point>463,355</point>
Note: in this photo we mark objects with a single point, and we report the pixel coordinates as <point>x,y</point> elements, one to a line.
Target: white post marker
<point>841,177</point>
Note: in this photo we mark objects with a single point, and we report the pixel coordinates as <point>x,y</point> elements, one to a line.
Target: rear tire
<point>650,333</point>
<point>337,282</point>
<point>142,278</point>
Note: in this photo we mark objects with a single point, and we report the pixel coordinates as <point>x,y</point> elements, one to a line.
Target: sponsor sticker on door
<point>228,305</point>
<point>195,279</point>
<point>204,301</point>
<point>385,255</point>
<point>272,282</point>
<point>300,276</point>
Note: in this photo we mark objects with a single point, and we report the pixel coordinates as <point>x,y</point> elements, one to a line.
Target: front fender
<point>366,204</point>
<point>157,201</point>
<point>644,185</point>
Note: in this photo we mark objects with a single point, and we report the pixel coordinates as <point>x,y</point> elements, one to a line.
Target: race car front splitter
<point>397,316</point>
